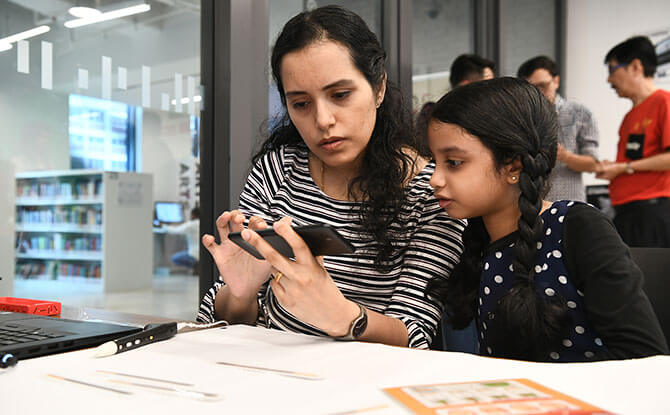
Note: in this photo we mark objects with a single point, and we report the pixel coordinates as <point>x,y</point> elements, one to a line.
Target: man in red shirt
<point>640,177</point>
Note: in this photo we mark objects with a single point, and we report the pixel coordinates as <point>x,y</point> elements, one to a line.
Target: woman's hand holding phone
<point>243,274</point>
<point>305,288</point>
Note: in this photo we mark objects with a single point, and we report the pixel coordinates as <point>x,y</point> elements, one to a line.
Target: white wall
<point>593,28</point>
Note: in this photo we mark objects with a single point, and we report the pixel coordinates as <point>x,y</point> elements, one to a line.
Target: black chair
<point>455,340</point>
<point>655,266</point>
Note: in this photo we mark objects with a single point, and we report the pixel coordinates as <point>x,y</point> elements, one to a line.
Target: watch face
<point>360,326</point>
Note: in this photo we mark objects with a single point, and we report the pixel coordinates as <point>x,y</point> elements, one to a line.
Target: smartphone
<point>321,239</point>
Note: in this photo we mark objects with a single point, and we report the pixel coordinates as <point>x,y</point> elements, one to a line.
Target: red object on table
<point>26,305</point>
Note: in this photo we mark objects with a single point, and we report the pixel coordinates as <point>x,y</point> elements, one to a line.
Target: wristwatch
<point>357,327</point>
<point>629,168</point>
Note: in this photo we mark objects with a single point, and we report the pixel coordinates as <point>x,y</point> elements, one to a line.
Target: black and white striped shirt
<point>280,185</point>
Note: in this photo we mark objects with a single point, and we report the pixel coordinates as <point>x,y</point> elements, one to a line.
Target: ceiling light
<point>185,100</point>
<point>83,12</point>
<point>114,14</point>
<point>24,35</point>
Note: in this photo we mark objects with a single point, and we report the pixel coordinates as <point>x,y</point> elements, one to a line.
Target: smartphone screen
<point>321,239</point>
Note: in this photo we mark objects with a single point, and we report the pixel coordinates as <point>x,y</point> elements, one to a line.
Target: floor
<point>174,296</point>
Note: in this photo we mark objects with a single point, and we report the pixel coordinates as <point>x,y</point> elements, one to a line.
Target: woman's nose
<point>324,116</point>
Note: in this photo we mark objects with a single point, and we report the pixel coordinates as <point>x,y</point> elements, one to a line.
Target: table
<point>353,375</point>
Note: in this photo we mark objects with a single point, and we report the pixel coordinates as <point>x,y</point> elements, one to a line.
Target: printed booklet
<point>508,396</point>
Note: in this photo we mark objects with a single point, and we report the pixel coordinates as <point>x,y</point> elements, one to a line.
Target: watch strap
<point>629,168</point>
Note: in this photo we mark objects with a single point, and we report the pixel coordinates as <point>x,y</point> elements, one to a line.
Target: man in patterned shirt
<point>470,68</point>
<point>578,138</point>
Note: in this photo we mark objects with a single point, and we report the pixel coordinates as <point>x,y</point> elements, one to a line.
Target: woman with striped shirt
<point>340,155</point>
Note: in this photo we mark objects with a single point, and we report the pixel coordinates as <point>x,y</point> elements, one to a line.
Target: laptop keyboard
<point>12,333</point>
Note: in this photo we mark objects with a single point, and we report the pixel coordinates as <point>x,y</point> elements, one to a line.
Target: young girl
<point>338,156</point>
<point>543,281</point>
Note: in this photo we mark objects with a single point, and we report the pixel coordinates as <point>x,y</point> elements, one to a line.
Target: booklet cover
<point>507,396</point>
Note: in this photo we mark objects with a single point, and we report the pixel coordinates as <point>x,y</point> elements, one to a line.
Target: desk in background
<point>353,376</point>
<point>166,245</point>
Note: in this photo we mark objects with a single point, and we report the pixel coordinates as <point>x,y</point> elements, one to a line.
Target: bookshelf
<point>85,227</point>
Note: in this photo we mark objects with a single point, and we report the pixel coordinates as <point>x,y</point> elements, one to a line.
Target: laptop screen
<point>169,212</point>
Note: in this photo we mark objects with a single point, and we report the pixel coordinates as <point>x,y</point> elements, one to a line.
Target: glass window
<point>100,119</point>
<point>101,134</point>
<point>441,30</point>
<point>528,30</point>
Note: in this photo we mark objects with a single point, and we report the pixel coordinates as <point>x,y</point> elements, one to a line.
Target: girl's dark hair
<point>385,167</point>
<point>516,122</point>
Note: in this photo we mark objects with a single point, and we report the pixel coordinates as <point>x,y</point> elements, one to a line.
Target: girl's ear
<point>513,171</point>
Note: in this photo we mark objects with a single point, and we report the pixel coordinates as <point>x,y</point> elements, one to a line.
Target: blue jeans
<point>183,259</point>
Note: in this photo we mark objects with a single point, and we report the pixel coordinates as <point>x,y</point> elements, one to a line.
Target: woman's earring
<point>513,178</point>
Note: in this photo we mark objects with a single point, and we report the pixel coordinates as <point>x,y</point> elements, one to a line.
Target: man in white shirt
<point>578,137</point>
<point>191,229</point>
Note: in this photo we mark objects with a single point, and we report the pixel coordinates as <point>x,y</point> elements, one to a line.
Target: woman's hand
<point>243,274</point>
<point>305,288</point>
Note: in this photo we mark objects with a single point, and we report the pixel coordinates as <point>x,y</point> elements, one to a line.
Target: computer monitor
<point>169,212</point>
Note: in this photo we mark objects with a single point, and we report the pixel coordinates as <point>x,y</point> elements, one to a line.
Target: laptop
<point>168,212</point>
<point>30,335</point>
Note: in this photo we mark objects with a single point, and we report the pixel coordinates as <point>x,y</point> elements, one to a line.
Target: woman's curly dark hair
<point>386,167</point>
<point>516,122</point>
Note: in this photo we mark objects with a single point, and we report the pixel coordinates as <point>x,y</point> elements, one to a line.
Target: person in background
<point>191,229</point>
<point>578,134</point>
<point>470,68</point>
<point>421,129</point>
<point>342,155</point>
<point>640,176</point>
<point>543,281</point>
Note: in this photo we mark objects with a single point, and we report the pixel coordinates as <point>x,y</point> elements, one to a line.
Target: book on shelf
<point>59,242</point>
<point>64,188</point>
<point>506,396</point>
<point>72,215</point>
<point>53,270</point>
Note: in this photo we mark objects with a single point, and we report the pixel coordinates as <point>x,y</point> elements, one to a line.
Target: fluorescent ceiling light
<point>103,17</point>
<point>185,100</point>
<point>5,46</point>
<point>24,35</point>
<point>83,12</point>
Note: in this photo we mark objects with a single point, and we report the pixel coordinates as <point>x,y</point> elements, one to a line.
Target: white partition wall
<point>7,192</point>
<point>127,222</point>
